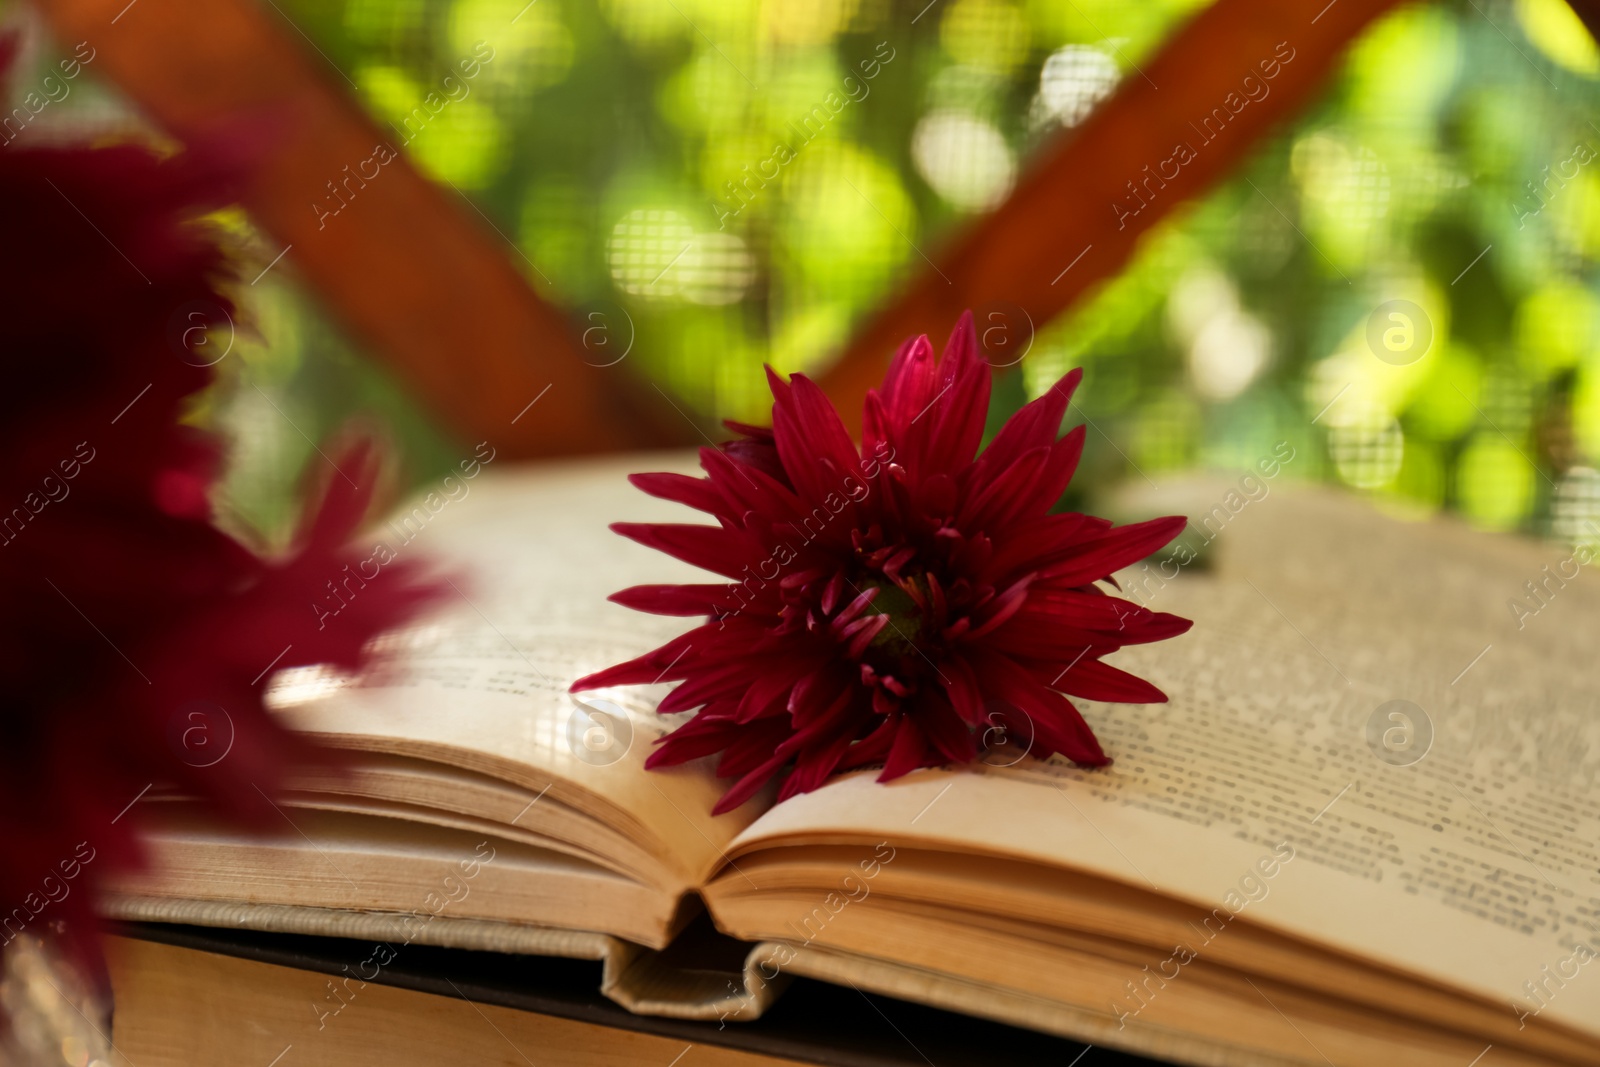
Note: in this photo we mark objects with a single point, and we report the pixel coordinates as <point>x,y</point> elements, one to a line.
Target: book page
<point>482,681</point>
<point>1458,840</point>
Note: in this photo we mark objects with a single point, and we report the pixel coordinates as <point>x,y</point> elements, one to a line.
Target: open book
<point>1364,830</point>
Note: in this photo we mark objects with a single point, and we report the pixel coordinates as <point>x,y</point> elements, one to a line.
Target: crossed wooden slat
<point>409,267</point>
<point>1075,218</point>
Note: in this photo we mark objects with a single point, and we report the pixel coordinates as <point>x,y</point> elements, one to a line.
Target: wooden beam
<point>1075,218</point>
<point>408,267</point>
<point>1588,12</point>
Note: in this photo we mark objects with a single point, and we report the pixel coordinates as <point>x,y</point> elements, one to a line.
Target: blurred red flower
<point>895,602</point>
<point>138,637</point>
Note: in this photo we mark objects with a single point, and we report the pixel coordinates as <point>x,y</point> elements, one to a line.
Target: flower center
<point>905,616</point>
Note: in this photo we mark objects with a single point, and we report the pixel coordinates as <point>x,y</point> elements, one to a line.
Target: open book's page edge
<point>631,975</point>
<point>525,625</point>
<point>445,931</point>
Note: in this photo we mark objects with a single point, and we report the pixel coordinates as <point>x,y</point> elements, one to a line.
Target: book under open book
<point>1364,829</point>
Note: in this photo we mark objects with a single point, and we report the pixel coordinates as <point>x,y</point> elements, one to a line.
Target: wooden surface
<point>176,1007</point>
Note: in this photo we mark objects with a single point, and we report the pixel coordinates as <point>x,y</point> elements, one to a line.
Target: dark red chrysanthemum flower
<point>895,602</point>
<point>138,638</point>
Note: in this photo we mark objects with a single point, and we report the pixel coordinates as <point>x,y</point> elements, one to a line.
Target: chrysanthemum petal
<point>1094,680</point>
<point>911,383</point>
<point>816,450</point>
<point>950,737</point>
<point>744,429</point>
<point>704,735</point>
<point>1113,551</point>
<point>707,547</point>
<point>818,745</point>
<point>811,695</point>
<point>664,664</point>
<point>749,488</point>
<point>722,680</point>
<point>675,599</point>
<point>961,406</point>
<point>870,749</point>
<point>749,785</point>
<point>1051,606</point>
<point>961,687</point>
<point>697,493</point>
<point>1007,495</point>
<point>909,751</point>
<point>1057,724</point>
<point>1058,471</point>
<point>1036,425</point>
<point>1031,544</point>
<point>767,694</point>
<point>1001,609</point>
